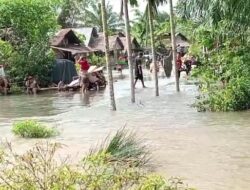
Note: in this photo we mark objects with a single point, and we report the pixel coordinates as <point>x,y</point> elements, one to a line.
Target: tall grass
<point>126,147</point>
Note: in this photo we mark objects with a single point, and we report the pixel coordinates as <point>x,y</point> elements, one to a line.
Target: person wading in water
<point>138,70</point>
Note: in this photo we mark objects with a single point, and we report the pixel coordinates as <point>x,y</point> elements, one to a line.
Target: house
<point>66,45</point>
<point>134,43</point>
<point>180,40</point>
<point>88,33</point>
<point>98,44</point>
<point>95,40</point>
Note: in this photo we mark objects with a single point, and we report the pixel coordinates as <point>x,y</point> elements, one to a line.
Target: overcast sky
<point>142,3</point>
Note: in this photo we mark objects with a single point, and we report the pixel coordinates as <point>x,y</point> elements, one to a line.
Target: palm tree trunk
<point>150,16</point>
<point>129,50</point>
<point>172,25</point>
<point>110,77</point>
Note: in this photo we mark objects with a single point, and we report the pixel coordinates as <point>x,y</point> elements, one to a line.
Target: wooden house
<point>66,45</point>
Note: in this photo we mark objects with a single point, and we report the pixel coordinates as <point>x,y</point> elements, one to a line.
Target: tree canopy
<point>27,26</point>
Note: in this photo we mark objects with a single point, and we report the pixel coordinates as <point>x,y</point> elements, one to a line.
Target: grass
<point>125,146</point>
<point>33,129</point>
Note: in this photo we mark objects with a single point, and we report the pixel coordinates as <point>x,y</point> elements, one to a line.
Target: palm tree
<point>124,9</point>
<point>129,50</point>
<point>172,25</point>
<point>152,10</point>
<point>73,13</point>
<point>110,77</point>
<point>140,27</point>
<point>94,17</point>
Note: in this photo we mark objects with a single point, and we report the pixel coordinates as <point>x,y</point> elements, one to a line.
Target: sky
<point>142,4</point>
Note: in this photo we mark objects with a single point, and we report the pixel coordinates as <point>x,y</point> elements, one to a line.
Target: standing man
<point>138,70</point>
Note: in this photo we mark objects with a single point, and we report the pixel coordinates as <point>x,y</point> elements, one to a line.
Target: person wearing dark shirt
<point>138,70</point>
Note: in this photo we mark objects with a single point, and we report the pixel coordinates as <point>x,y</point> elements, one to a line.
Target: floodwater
<point>210,151</point>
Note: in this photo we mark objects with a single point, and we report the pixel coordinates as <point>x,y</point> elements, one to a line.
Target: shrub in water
<point>33,129</point>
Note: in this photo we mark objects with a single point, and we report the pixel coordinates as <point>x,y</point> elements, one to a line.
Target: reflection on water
<point>210,150</point>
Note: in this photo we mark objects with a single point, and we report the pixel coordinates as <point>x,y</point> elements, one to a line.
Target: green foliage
<point>33,129</point>
<point>29,29</point>
<point>73,13</point>
<point>94,17</point>
<point>97,60</point>
<point>38,169</point>
<point>6,53</point>
<point>140,28</point>
<point>223,32</point>
<point>16,89</point>
<point>224,78</point>
<point>153,182</point>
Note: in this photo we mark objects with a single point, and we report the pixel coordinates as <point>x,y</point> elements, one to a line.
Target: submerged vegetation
<point>33,129</point>
<point>105,168</point>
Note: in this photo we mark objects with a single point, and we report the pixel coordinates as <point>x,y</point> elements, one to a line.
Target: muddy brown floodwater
<point>210,151</point>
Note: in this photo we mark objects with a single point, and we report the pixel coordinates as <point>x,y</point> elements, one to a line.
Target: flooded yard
<point>210,151</point>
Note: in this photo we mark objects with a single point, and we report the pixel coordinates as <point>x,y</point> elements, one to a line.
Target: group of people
<point>184,62</point>
<point>31,84</point>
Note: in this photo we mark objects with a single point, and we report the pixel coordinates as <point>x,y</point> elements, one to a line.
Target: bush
<point>33,129</point>
<point>224,80</point>
<point>97,60</point>
<point>16,89</point>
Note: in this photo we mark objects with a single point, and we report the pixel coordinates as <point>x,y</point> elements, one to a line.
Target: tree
<point>174,45</point>
<point>110,77</point>
<point>152,10</point>
<point>140,27</point>
<point>224,31</point>
<point>73,13</point>
<point>129,50</point>
<point>30,27</point>
<point>94,19</point>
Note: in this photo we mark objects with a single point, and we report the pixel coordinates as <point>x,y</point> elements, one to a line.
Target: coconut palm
<point>214,11</point>
<point>129,50</point>
<point>124,9</point>
<point>152,11</point>
<point>174,45</point>
<point>140,28</point>
<point>94,19</point>
<point>110,77</point>
<point>73,13</point>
